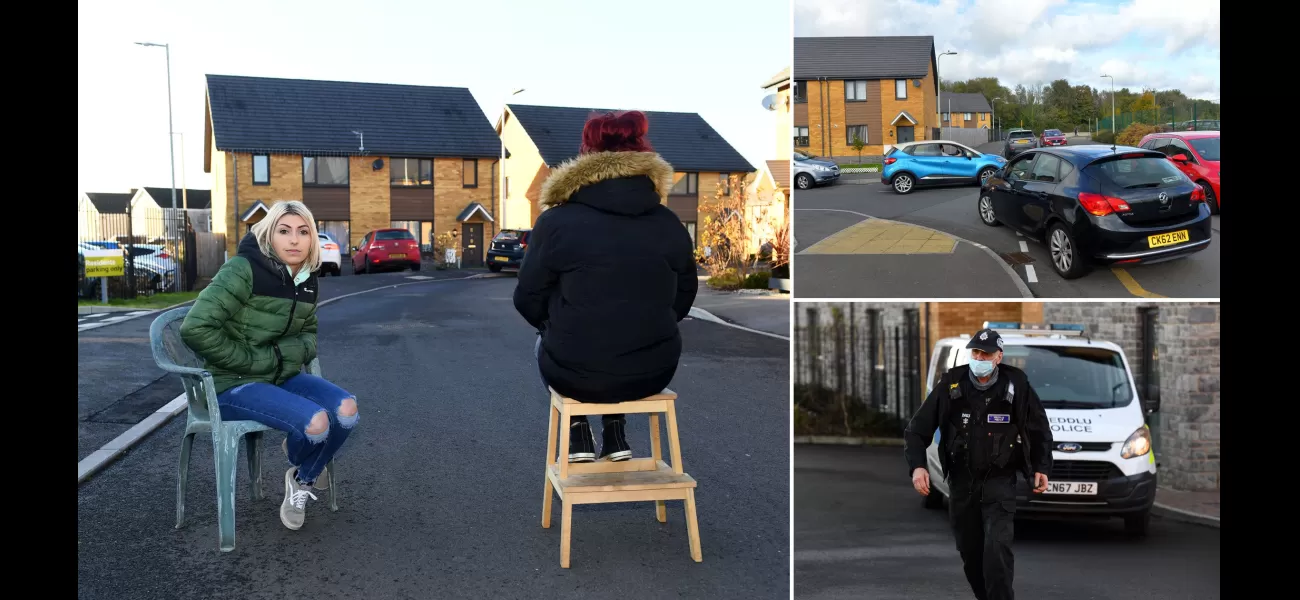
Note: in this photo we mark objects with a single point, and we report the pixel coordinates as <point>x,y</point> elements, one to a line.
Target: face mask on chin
<point>981,368</point>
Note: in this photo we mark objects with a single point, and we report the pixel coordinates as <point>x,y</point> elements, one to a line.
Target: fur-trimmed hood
<point>589,169</point>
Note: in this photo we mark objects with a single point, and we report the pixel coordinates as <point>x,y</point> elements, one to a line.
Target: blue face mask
<point>981,368</point>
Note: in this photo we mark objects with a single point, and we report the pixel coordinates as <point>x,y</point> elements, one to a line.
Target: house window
<point>855,91</point>
<point>968,117</point>
<point>688,184</point>
<point>801,137</point>
<point>422,231</point>
<point>945,117</point>
<point>984,116</point>
<point>800,91</point>
<point>325,170</point>
<point>724,180</point>
<point>261,169</point>
<point>853,131</point>
<point>900,89</point>
<point>690,228</point>
<point>410,172</point>
<point>505,186</point>
<point>469,173</point>
<point>339,230</point>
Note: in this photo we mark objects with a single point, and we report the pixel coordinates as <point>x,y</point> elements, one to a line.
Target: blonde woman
<point>255,328</point>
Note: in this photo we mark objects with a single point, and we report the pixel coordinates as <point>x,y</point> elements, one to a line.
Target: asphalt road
<point>969,272</point>
<point>860,532</point>
<point>441,482</point>
<point>118,383</point>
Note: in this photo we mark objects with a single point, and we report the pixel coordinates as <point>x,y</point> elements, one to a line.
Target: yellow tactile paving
<point>874,236</point>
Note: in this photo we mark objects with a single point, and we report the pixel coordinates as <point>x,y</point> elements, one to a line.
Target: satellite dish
<point>771,102</point>
<point>916,83</point>
<point>378,164</point>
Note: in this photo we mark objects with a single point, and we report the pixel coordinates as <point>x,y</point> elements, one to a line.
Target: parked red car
<point>386,249</point>
<point>1052,137</point>
<point>1196,154</point>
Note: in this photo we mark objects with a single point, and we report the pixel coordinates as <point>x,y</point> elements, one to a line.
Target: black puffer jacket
<point>608,274</point>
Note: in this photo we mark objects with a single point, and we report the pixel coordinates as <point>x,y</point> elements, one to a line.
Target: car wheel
<point>1138,524</point>
<point>1066,259</point>
<point>1210,198</point>
<point>903,183</point>
<point>986,211</point>
<point>494,268</point>
<point>986,174</point>
<point>415,267</point>
<point>803,181</point>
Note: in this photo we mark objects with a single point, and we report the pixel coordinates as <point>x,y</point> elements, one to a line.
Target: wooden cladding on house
<point>328,203</point>
<point>866,113</point>
<point>412,204</point>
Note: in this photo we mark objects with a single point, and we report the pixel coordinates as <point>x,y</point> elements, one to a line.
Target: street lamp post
<point>1112,102</point>
<point>501,185</point>
<point>171,141</point>
<point>995,118</point>
<point>936,75</point>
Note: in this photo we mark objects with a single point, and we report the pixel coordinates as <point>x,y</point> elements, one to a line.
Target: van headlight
<point>1137,444</point>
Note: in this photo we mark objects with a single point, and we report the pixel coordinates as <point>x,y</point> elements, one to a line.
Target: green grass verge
<point>154,301</point>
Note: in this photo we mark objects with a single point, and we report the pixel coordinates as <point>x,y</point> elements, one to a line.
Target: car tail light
<point>1100,206</point>
<point>331,246</point>
<point>164,253</point>
<point>1198,194</point>
<point>890,161</point>
<point>1132,155</point>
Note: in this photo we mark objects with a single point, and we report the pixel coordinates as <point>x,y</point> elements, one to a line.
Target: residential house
<point>540,138</point>
<point>102,216</point>
<point>965,110</point>
<point>878,89</point>
<point>152,216</point>
<point>780,85</point>
<point>361,156</point>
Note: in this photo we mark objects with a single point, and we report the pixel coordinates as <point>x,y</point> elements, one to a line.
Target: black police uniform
<point>986,437</point>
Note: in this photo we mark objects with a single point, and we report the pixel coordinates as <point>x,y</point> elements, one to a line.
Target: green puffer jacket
<point>253,323</point>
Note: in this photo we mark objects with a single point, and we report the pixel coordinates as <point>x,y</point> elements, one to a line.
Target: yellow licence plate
<point>501,259</point>
<point>396,256</point>
<point>1168,239</point>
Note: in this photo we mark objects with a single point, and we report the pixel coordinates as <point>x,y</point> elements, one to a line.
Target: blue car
<point>936,162</point>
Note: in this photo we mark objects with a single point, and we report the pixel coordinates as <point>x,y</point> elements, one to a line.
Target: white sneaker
<point>293,511</point>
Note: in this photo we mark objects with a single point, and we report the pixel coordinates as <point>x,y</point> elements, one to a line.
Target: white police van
<point>1104,465</point>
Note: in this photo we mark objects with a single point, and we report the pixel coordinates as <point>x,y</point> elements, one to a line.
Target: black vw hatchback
<point>1099,204</point>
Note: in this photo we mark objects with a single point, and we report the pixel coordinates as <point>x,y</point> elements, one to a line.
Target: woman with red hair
<point>609,273</point>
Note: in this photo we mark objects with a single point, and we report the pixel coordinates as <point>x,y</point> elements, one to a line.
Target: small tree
<point>858,145</point>
<point>727,230</point>
<point>441,243</point>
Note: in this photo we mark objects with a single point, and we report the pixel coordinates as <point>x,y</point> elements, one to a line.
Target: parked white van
<point>1103,462</point>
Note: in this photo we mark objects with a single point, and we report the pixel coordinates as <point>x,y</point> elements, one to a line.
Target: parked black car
<point>507,249</point>
<point>1099,204</point>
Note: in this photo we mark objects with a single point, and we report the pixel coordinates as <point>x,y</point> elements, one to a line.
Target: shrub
<point>757,281</point>
<point>726,280</point>
<point>1104,137</point>
<point>1133,134</point>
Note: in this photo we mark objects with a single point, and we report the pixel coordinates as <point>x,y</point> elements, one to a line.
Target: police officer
<point>991,427</point>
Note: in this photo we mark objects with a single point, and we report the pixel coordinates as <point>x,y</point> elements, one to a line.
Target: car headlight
<point>1137,444</point>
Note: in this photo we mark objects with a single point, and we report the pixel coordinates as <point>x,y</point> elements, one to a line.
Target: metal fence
<point>161,253</point>
<point>858,369</point>
<point>1166,120</point>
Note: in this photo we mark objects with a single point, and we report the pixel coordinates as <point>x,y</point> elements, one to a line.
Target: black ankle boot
<point>614,443</point>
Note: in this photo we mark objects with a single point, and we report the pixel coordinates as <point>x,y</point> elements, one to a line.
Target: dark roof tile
<point>882,57</point>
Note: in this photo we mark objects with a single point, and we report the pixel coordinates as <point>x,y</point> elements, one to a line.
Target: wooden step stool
<point>632,480</point>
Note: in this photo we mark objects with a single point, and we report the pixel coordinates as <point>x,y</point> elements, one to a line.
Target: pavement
<point>860,532</point>
<point>118,384</point>
<point>843,251</point>
<point>441,483</point>
<point>756,309</point>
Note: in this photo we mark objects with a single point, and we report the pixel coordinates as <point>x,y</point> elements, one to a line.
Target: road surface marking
<point>1024,247</point>
<point>1132,285</point>
<point>418,277</point>
<point>874,236</point>
<point>1029,272</point>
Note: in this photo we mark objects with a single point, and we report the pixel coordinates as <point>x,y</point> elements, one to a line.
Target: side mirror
<point>1153,399</point>
<point>1182,158</point>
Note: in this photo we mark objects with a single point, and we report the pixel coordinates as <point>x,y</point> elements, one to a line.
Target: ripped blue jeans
<point>290,408</point>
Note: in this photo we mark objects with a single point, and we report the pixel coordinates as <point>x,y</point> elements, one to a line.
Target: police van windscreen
<point>1071,377</point>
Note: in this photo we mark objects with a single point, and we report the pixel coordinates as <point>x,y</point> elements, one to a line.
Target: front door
<point>906,134</point>
<point>471,251</point>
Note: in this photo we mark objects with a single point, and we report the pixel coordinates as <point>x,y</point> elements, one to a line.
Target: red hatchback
<point>386,249</point>
<point>1052,137</point>
<point>1196,154</point>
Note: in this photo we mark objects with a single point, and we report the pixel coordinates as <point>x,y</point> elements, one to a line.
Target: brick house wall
<point>829,138</point>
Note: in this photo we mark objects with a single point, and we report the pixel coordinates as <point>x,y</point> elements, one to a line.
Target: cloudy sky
<point>670,55</point>
<point>1143,43</point>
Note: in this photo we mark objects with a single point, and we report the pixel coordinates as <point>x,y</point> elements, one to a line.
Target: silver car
<point>810,172</point>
